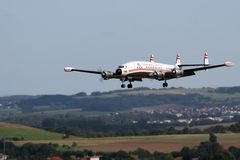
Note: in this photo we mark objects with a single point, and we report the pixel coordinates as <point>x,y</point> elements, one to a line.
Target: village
<point>192,115</point>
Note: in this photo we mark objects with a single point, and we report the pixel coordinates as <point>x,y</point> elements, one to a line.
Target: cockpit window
<point>121,66</point>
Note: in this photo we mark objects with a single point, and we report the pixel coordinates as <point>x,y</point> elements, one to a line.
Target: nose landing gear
<point>123,86</point>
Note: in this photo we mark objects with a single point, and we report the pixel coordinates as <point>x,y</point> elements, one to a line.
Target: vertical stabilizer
<point>178,59</point>
<point>206,60</point>
<point>152,58</point>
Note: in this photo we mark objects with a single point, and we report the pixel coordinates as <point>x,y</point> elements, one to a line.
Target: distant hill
<point>20,132</point>
<point>120,100</point>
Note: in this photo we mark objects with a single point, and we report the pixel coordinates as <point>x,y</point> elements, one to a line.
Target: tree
<point>235,151</point>
<point>185,130</point>
<point>143,154</point>
<point>162,156</point>
<point>74,144</point>
<point>223,155</point>
<point>217,129</point>
<point>212,150</point>
<point>49,123</point>
<point>121,155</point>
<point>235,127</point>
<point>96,93</point>
<point>185,152</point>
<point>212,138</point>
<point>81,94</point>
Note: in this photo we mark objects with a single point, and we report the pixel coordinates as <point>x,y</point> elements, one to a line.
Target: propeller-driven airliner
<point>139,70</point>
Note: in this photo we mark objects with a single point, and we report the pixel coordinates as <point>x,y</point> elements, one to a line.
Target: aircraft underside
<point>139,76</point>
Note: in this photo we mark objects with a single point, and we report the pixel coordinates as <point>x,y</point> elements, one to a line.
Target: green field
<point>8,130</point>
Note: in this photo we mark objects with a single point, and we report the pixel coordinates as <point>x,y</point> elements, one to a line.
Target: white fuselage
<point>144,69</point>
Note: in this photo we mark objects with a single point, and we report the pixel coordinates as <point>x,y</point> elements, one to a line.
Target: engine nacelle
<point>177,73</point>
<point>158,75</point>
<point>107,75</point>
<point>118,71</point>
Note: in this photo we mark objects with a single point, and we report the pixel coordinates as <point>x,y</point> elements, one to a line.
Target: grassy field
<point>8,130</point>
<point>163,143</point>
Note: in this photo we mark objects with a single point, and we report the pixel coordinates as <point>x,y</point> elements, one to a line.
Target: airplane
<point>139,70</point>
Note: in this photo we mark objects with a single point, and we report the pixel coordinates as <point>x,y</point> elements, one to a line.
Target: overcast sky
<point>39,38</point>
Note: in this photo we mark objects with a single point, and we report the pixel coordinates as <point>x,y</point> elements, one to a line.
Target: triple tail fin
<point>152,58</point>
<point>206,60</point>
<point>178,60</point>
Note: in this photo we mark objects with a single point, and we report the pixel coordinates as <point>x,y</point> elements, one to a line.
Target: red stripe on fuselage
<point>148,69</point>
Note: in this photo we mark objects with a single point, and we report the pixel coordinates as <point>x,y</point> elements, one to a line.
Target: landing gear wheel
<point>123,86</point>
<point>130,85</point>
<point>165,84</point>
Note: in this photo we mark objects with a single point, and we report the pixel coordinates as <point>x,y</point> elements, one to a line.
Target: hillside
<point>121,100</point>
<point>21,132</point>
<point>139,111</point>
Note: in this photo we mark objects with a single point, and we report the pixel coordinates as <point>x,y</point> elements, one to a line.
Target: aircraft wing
<point>104,74</point>
<point>70,69</point>
<point>226,64</point>
<point>190,65</point>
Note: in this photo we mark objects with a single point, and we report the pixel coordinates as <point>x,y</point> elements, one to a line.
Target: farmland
<point>162,143</point>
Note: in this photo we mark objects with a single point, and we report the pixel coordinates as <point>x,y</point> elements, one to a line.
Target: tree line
<point>139,130</point>
<point>209,150</point>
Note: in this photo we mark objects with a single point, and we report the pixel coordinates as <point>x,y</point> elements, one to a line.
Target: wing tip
<point>68,69</point>
<point>229,64</point>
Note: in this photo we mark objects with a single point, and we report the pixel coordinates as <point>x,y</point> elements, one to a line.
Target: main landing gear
<point>165,84</point>
<point>128,86</point>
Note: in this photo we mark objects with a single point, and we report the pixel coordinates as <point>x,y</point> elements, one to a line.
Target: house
<point>90,158</point>
<point>95,158</point>
<point>55,158</point>
<point>3,156</point>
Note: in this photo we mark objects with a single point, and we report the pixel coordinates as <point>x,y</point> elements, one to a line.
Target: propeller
<point>101,78</point>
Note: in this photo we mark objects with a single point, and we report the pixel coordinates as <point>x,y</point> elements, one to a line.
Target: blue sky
<point>39,38</point>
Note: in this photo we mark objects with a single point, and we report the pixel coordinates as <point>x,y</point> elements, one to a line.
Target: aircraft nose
<point>118,72</point>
